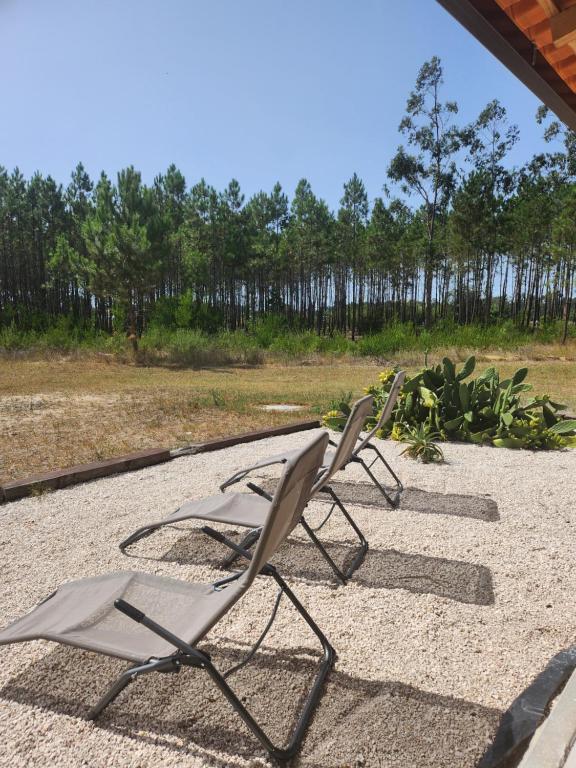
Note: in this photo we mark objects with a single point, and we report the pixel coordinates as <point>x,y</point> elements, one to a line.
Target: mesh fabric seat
<point>82,613</point>
<point>157,622</point>
<point>229,508</point>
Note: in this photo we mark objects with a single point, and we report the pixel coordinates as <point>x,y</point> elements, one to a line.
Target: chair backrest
<point>358,415</point>
<point>292,494</point>
<point>386,414</point>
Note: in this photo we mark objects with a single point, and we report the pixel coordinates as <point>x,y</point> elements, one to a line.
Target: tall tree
<point>352,220</point>
<point>489,140</point>
<point>429,170</point>
<point>121,238</point>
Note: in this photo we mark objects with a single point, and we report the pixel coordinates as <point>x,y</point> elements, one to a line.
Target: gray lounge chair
<point>366,444</point>
<point>353,454</point>
<point>156,623</point>
<point>250,510</point>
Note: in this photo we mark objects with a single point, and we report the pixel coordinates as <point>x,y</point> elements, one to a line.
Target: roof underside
<point>535,39</point>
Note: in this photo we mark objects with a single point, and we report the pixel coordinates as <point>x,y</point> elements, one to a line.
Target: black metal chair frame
<point>252,536</point>
<point>394,499</point>
<point>365,442</point>
<point>189,656</point>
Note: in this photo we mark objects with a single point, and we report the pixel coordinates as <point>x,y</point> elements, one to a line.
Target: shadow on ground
<point>381,569</point>
<point>414,500</point>
<point>358,722</point>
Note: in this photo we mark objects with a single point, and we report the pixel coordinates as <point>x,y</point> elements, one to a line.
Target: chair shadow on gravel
<point>381,569</point>
<point>417,500</point>
<point>414,500</point>
<point>358,722</point>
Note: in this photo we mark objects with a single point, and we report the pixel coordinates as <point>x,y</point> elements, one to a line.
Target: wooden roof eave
<point>496,31</point>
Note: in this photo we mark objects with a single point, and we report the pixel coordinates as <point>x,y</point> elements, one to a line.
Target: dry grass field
<point>63,411</point>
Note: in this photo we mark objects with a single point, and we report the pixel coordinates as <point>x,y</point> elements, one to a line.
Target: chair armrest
<point>235,478</point>
<point>217,585</point>
<point>140,618</point>
<point>241,474</point>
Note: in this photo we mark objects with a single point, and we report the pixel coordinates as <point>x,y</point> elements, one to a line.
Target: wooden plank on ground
<point>61,478</point>
<point>81,473</point>
<point>249,437</point>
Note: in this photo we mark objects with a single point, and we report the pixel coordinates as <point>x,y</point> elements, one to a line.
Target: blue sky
<point>259,90</point>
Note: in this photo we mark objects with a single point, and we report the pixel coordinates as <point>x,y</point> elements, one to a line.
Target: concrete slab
<point>552,745</point>
<point>281,407</point>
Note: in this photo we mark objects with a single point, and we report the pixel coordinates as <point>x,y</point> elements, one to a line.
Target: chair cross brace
<point>188,655</point>
<point>252,537</point>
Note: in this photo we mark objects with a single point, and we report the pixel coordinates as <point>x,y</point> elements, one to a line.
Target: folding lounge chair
<point>353,455</point>
<point>365,443</point>
<point>156,622</point>
<point>249,510</point>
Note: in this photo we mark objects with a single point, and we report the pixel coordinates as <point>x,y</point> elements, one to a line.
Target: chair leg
<point>392,501</point>
<point>159,665</point>
<point>316,541</point>
<point>361,554</point>
<point>397,480</point>
<point>288,752</point>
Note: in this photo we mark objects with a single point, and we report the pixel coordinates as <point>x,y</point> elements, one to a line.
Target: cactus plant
<point>422,444</point>
<point>483,410</point>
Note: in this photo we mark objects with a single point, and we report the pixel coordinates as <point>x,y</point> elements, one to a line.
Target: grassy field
<point>269,340</point>
<point>59,412</point>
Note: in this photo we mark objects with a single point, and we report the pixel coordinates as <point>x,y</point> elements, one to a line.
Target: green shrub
<point>294,345</point>
<point>398,337</point>
<point>163,312</point>
<point>336,344</point>
<point>422,444</point>
<point>11,338</point>
<point>482,410</point>
<point>63,335</point>
<point>183,332</point>
<point>267,329</point>
<point>392,339</point>
<point>187,346</point>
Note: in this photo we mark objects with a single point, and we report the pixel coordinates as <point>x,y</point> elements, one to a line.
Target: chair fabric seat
<point>82,613</point>
<point>246,509</point>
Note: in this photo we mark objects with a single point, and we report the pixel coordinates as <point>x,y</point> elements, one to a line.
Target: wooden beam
<point>563,27</point>
<point>246,437</point>
<point>492,26</point>
<point>555,15</point>
<point>61,478</point>
<point>549,7</point>
<point>507,4</point>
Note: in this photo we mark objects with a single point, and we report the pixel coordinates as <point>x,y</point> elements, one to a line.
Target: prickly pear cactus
<point>483,410</point>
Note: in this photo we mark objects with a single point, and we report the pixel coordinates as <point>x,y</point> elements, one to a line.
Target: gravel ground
<point>464,596</point>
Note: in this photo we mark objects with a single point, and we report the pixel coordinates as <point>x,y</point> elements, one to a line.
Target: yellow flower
<point>386,375</point>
